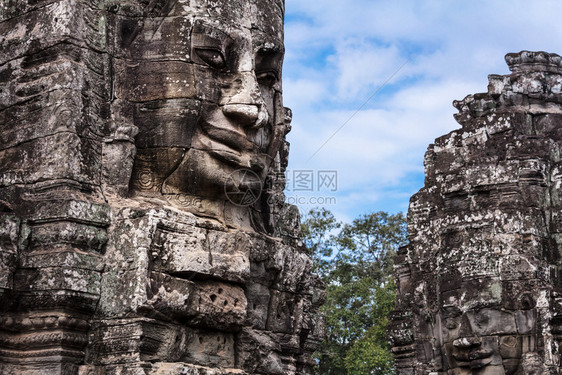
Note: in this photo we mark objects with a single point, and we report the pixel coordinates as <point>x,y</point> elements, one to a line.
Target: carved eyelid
<point>269,59</point>
<point>267,67</point>
<point>206,54</point>
<point>268,77</point>
<point>264,72</point>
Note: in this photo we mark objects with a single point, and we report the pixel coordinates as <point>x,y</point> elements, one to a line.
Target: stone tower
<point>143,229</point>
<point>479,283</point>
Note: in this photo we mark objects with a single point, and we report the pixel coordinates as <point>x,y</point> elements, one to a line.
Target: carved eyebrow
<point>269,57</point>
<point>268,46</point>
<point>266,43</point>
<point>202,40</point>
<point>208,36</point>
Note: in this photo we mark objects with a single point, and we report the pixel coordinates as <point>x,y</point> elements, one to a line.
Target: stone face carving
<point>479,282</point>
<point>143,225</point>
<point>215,106</point>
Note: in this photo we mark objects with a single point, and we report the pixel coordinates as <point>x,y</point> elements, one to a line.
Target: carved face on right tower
<point>487,341</point>
<point>485,325</point>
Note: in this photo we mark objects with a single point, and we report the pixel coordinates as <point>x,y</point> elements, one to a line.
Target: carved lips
<point>230,145</point>
<point>473,358</point>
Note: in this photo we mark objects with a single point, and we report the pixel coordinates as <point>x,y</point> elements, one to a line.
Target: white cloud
<point>360,66</point>
<point>303,93</point>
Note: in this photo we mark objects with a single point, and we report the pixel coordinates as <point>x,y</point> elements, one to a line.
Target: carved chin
<point>209,175</point>
<point>480,362</point>
<point>477,363</point>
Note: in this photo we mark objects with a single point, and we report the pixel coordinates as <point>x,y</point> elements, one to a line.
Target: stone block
<point>180,250</point>
<point>137,40</point>
<point>219,305</point>
<point>166,123</point>
<point>161,80</point>
<point>211,349</point>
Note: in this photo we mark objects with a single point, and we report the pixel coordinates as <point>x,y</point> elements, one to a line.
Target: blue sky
<point>429,53</point>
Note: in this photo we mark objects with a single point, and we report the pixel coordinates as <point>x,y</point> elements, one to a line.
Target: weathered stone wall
<point>479,282</point>
<point>123,128</point>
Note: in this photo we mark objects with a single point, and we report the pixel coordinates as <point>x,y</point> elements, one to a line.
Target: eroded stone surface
<point>143,228</point>
<point>479,282</point>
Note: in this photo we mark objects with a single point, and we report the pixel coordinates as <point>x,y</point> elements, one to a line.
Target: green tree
<point>317,234</point>
<point>356,265</point>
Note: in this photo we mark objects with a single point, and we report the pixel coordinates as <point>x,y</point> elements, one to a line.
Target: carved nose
<point>243,114</point>
<point>243,102</point>
<point>467,342</point>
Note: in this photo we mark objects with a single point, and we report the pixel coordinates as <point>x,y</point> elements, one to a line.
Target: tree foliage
<point>316,229</point>
<point>356,265</point>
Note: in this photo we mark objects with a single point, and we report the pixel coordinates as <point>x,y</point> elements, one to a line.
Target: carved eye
<point>214,58</point>
<point>268,78</point>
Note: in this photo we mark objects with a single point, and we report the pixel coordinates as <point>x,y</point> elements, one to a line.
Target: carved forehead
<point>265,16</point>
<point>262,20</point>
